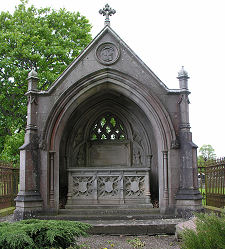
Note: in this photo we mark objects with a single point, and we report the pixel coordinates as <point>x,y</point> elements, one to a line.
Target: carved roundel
<point>107,53</point>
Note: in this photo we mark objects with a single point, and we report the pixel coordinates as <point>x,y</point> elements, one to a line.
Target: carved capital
<point>175,144</point>
<point>43,145</point>
<point>32,98</point>
<point>31,127</point>
<point>185,126</point>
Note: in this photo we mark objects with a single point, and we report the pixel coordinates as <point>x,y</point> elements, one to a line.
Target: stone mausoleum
<point>107,132</point>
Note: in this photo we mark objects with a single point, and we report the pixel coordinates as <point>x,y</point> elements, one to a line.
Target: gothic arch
<point>124,85</point>
<point>87,91</point>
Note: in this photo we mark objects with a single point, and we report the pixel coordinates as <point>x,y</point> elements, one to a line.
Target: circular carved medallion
<point>107,53</point>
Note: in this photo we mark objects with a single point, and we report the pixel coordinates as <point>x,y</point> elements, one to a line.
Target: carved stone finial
<point>182,73</point>
<point>32,73</point>
<point>107,12</point>
<point>183,79</point>
<point>32,80</point>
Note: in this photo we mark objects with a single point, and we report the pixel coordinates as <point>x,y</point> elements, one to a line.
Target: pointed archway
<point>110,148</point>
<point>143,126</point>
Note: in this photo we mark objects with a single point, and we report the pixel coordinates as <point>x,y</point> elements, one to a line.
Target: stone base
<point>188,194</point>
<point>188,201</point>
<point>167,210</point>
<point>28,205</point>
<point>187,208</point>
<point>23,215</point>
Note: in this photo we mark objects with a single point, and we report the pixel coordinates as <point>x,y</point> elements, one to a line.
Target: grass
<point>209,234</point>
<point>202,191</point>
<point>6,211</point>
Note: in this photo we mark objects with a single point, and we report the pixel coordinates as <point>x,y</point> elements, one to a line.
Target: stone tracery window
<point>108,127</point>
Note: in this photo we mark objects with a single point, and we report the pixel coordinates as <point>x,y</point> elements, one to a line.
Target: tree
<point>206,153</point>
<point>45,39</point>
<point>10,152</point>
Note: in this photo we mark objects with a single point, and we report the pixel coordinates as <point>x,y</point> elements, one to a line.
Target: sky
<point>166,35</point>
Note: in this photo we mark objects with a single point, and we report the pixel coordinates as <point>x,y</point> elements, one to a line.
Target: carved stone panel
<point>108,154</point>
<point>134,186</point>
<point>108,186</point>
<point>82,186</point>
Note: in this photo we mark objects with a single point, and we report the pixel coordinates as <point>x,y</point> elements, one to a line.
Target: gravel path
<point>129,242</point>
<point>122,241</point>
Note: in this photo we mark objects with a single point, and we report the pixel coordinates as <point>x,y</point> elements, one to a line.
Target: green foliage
<point>206,153</point>
<point>35,234</point>
<point>10,152</point>
<point>210,233</point>
<point>45,39</point>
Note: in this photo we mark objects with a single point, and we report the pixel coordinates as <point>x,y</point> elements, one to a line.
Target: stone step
<point>116,220</point>
<point>108,211</point>
<point>108,206</point>
<point>114,217</point>
<point>134,227</point>
<point>104,217</point>
<point>150,226</point>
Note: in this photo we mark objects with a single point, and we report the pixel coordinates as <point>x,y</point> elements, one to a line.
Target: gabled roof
<point>104,31</point>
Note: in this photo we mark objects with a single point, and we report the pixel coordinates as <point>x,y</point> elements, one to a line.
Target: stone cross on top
<point>107,11</point>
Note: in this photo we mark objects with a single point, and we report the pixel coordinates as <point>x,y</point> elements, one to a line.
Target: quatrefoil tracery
<point>108,127</point>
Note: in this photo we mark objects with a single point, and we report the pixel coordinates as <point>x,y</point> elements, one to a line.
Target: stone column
<point>28,200</point>
<point>147,188</point>
<point>70,185</point>
<point>51,192</point>
<point>165,178</point>
<point>188,197</point>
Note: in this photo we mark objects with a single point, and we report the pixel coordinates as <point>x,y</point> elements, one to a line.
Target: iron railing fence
<point>9,184</point>
<point>211,176</point>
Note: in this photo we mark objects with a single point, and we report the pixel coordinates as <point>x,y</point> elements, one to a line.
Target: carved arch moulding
<point>116,81</point>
